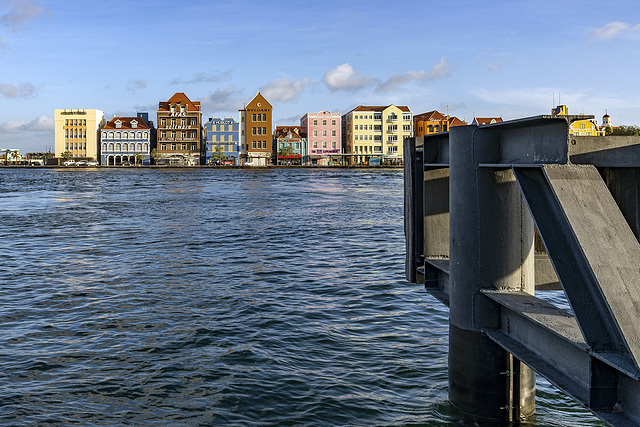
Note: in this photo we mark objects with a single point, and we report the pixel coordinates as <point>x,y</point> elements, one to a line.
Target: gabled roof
<point>182,99</point>
<point>126,123</point>
<point>258,99</point>
<point>486,120</point>
<point>454,121</point>
<point>379,108</point>
<point>281,131</point>
<point>432,116</point>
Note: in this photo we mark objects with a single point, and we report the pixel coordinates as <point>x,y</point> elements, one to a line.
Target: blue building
<point>222,136</point>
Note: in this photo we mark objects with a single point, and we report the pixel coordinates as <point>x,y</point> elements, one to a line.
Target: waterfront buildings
<point>77,131</point>
<point>291,147</point>
<point>222,141</point>
<point>434,122</point>
<point>256,132</point>
<point>323,131</point>
<point>125,140</point>
<point>581,127</point>
<point>179,131</point>
<point>371,134</point>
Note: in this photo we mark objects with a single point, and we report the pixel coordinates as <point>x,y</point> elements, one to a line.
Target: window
<point>324,132</point>
<point>173,122</point>
<point>253,131</point>
<point>315,144</point>
<point>264,132</point>
<point>406,117</point>
<point>253,117</point>
<point>315,132</point>
<point>193,147</point>
<point>163,147</point>
<point>324,122</point>
<point>183,122</point>
<point>324,144</point>
<point>194,121</point>
<point>183,134</point>
<point>173,108</point>
<point>163,121</point>
<point>333,144</point>
<point>173,147</point>
<point>333,122</point>
<point>264,118</point>
<point>183,147</point>
<point>333,133</point>
<point>163,133</point>
<point>183,108</point>
<point>315,122</point>
<point>173,134</point>
<point>253,145</point>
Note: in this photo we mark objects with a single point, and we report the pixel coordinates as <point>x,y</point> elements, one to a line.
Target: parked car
<point>125,164</point>
<point>92,163</point>
<point>69,163</point>
<point>82,163</point>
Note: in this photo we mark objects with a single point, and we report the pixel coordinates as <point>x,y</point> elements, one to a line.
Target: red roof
<point>432,116</point>
<point>379,108</point>
<point>126,123</point>
<point>181,99</point>
<point>486,120</point>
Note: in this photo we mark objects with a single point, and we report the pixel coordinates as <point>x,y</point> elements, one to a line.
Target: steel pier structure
<point>497,212</point>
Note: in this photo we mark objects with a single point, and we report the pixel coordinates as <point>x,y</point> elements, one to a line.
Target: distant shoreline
<point>199,167</point>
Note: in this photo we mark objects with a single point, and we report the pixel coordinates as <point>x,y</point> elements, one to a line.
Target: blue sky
<point>503,58</point>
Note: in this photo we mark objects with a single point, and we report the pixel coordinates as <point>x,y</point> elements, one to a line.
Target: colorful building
<point>222,138</point>
<point>434,122</point>
<point>376,133</point>
<point>179,131</point>
<point>78,132</point>
<point>291,147</point>
<point>125,140</point>
<point>256,134</point>
<point>579,127</point>
<point>323,131</point>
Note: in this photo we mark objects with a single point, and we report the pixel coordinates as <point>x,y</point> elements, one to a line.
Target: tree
<point>139,158</point>
<point>66,155</point>
<point>626,130</point>
<point>155,155</point>
<point>218,153</point>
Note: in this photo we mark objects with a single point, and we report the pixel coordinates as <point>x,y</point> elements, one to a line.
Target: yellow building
<point>77,131</point>
<point>579,127</point>
<point>372,134</point>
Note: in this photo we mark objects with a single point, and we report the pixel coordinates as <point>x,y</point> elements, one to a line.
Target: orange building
<point>179,131</point>
<point>434,122</point>
<point>256,133</point>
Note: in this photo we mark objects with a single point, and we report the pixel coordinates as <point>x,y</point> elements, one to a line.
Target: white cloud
<point>20,12</point>
<point>282,90</point>
<point>613,30</point>
<point>440,70</point>
<point>42,123</point>
<point>204,77</point>
<point>228,99</point>
<point>135,84</point>
<point>23,90</point>
<point>344,77</point>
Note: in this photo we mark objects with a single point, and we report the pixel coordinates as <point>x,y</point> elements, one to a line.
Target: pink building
<point>323,132</point>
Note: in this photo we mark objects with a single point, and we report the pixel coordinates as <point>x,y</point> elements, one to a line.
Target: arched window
<point>110,135</point>
<point>139,135</point>
<point>117,135</point>
<point>111,147</point>
<point>125,147</point>
<point>146,147</point>
<point>104,147</point>
<point>117,147</point>
<point>139,147</point>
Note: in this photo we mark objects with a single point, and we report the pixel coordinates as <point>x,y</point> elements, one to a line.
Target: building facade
<point>222,141</point>
<point>291,147</point>
<point>478,121</point>
<point>256,132</point>
<point>580,127</point>
<point>78,132</point>
<point>179,132</point>
<point>374,134</point>
<point>125,140</point>
<point>323,131</point>
<point>434,122</point>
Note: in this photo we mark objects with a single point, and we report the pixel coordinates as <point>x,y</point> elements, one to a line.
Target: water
<point>219,297</point>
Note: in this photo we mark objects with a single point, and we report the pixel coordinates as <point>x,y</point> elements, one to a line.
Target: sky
<point>469,59</point>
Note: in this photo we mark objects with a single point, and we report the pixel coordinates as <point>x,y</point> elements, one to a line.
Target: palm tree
<point>139,158</point>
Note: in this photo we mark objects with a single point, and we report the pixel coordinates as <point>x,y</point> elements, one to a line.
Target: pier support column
<point>491,247</point>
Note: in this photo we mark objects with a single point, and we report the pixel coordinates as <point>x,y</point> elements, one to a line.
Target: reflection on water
<point>208,297</point>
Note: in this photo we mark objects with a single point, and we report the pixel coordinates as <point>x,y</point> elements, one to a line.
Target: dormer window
<point>183,108</point>
<point>134,124</point>
<point>118,124</point>
<point>173,108</point>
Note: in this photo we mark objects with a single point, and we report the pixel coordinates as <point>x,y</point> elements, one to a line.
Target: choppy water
<point>219,297</point>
